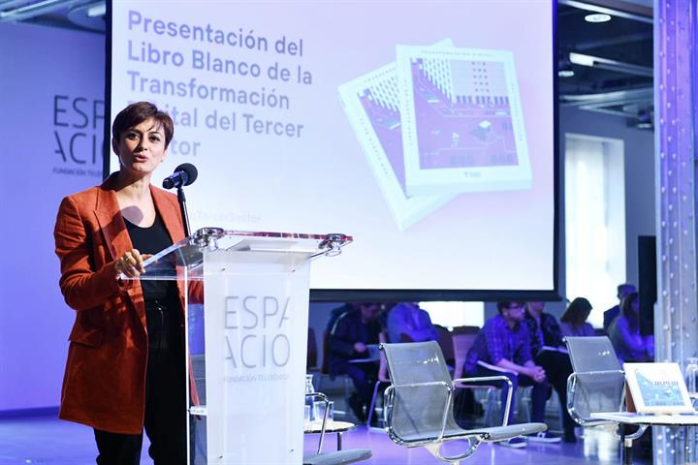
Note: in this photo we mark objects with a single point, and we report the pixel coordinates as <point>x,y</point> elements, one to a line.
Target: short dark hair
<point>136,113</point>
<point>502,305</point>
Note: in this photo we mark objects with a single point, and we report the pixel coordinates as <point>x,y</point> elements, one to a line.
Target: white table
<point>644,420</point>
<point>337,427</point>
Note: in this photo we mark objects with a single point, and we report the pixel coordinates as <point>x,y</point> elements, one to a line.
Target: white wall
<point>639,185</point>
<point>639,172</point>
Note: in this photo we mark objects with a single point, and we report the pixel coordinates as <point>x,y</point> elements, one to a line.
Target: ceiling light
<point>597,18</point>
<point>100,9</point>
<point>645,120</point>
<point>564,69</point>
<point>581,59</point>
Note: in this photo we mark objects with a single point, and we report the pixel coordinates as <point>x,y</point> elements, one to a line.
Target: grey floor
<point>43,439</point>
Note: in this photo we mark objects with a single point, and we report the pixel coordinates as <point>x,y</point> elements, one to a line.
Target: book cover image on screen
<point>372,105</point>
<point>441,121</point>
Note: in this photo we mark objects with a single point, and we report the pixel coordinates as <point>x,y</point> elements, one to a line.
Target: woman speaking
<point>126,366</point>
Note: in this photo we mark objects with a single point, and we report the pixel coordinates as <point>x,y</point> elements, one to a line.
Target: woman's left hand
<point>130,264</point>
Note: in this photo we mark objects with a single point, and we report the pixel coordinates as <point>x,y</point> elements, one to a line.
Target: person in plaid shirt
<point>503,347</point>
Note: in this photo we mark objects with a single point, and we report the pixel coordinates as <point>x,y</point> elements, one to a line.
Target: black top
<point>152,240</point>
<point>548,334</point>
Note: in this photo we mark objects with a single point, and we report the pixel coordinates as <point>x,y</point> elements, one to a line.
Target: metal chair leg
<point>373,402</point>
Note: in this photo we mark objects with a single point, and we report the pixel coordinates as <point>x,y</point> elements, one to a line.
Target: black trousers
<point>165,397</point>
<point>558,368</point>
<point>364,376</point>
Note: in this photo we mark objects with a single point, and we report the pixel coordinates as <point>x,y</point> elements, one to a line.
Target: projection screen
<point>424,129</point>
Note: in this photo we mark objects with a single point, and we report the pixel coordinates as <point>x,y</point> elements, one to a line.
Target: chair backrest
<point>311,360</point>
<point>445,342</point>
<point>461,345</point>
<point>592,354</point>
<point>599,380</point>
<point>466,330</point>
<point>421,387</point>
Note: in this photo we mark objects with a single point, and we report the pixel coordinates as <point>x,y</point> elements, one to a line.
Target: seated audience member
<point>335,313</point>
<point>351,334</point>
<point>409,323</point>
<point>625,335</point>
<point>613,312</point>
<point>574,321</point>
<point>546,342</point>
<point>503,347</point>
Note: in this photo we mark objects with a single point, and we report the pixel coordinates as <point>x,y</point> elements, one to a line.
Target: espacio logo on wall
<point>78,124</point>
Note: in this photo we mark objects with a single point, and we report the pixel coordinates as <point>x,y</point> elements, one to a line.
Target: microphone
<point>183,175</point>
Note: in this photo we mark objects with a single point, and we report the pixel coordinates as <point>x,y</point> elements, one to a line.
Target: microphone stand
<point>183,208</point>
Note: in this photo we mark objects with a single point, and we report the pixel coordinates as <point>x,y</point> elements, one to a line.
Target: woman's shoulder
<point>568,329</point>
<point>589,329</point>
<point>85,198</point>
<point>90,192</point>
<point>164,195</point>
<point>619,326</point>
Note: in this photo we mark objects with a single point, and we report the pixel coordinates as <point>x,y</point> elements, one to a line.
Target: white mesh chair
<point>419,403</point>
<point>597,384</point>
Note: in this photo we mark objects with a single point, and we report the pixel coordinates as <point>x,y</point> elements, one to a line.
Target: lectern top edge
<point>188,253</point>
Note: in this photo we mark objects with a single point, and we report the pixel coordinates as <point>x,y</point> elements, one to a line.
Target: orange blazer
<point>104,383</point>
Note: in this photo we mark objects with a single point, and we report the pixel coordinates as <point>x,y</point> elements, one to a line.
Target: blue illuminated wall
<point>51,130</point>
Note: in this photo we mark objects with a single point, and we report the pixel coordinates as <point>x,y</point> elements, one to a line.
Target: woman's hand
<point>130,264</point>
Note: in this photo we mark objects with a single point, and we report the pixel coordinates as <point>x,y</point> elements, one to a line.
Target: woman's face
<point>141,148</point>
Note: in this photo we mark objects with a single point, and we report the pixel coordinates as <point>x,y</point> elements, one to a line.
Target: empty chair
<point>465,330</point>
<point>461,345</point>
<point>598,381</point>
<point>597,384</point>
<point>419,403</point>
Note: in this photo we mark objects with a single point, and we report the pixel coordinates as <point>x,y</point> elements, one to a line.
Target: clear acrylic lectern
<point>247,328</point>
